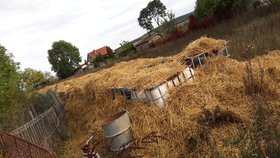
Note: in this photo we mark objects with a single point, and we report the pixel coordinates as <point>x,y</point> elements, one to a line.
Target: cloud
<point>31,26</point>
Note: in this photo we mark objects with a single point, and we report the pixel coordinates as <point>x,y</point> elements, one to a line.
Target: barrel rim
<point>112,118</point>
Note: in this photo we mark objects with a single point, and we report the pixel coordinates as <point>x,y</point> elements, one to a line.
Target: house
<point>101,51</point>
<point>149,42</point>
<point>255,4</point>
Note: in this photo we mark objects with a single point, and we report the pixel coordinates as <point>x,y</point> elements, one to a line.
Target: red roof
<point>100,51</point>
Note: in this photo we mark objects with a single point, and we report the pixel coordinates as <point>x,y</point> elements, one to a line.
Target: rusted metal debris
<point>89,149</point>
<point>14,146</point>
<point>138,145</point>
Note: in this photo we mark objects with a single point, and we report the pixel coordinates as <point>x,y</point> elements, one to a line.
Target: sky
<point>29,27</point>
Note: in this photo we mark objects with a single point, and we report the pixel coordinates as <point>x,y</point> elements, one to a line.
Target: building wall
<point>143,46</point>
<point>90,58</point>
<point>155,39</point>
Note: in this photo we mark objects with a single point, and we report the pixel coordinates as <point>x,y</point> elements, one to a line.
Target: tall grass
<point>263,139</point>
<point>249,34</point>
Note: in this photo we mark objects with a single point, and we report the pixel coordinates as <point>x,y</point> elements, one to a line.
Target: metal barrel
<point>117,130</point>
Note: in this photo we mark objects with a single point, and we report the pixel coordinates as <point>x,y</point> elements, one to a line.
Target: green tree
<point>205,8</point>
<point>9,79</point>
<point>98,60</point>
<point>49,78</point>
<point>167,23</point>
<point>155,10</point>
<point>64,58</point>
<point>110,54</point>
<point>145,20</point>
<point>32,79</point>
<point>12,98</point>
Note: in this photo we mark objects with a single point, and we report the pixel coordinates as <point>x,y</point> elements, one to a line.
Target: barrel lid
<point>112,118</point>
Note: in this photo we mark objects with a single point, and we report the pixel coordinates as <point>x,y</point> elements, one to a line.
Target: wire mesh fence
<point>40,133</point>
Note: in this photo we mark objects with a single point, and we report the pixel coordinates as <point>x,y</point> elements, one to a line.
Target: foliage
<point>155,10</point>
<point>126,49</point>
<point>31,79</point>
<point>9,79</point>
<point>49,78</point>
<point>98,60</point>
<point>245,32</point>
<point>103,58</point>
<point>110,54</point>
<point>205,8</point>
<point>64,58</point>
<point>145,20</point>
<point>17,89</point>
<point>12,98</point>
<point>168,24</point>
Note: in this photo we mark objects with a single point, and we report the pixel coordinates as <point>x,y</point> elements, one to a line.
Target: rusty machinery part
<point>89,149</point>
<point>137,144</point>
<point>153,138</point>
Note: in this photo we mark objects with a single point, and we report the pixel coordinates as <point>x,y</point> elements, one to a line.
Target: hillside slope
<point>231,110</point>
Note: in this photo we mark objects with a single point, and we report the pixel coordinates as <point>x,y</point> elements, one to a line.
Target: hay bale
<point>218,82</point>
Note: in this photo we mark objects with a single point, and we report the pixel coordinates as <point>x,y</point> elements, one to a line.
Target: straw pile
<point>213,117</point>
<point>140,74</point>
<point>202,45</point>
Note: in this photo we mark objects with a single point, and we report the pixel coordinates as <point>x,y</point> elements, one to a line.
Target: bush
<point>13,97</point>
<point>126,49</point>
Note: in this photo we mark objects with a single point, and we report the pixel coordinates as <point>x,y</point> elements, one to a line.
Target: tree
<point>145,20</point>
<point>64,58</point>
<point>32,79</point>
<point>167,23</point>
<point>9,79</point>
<point>49,78</point>
<point>155,10</point>
<point>12,98</point>
<point>205,8</point>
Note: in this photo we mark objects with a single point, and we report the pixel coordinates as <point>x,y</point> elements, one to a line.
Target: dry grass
<point>202,45</point>
<point>139,74</point>
<point>143,73</point>
<point>250,34</point>
<point>213,117</point>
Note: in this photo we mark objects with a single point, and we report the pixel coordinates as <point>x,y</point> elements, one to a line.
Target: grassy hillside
<point>231,110</point>
<point>250,34</point>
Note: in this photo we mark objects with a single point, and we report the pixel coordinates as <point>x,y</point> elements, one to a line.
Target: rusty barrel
<point>117,130</point>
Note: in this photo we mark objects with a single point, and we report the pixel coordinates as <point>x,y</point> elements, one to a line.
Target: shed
<point>149,42</point>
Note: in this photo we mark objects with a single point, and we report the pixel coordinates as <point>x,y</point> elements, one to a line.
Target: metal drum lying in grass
<point>117,130</point>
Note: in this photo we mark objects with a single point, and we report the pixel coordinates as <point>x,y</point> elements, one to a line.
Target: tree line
<point>17,89</point>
